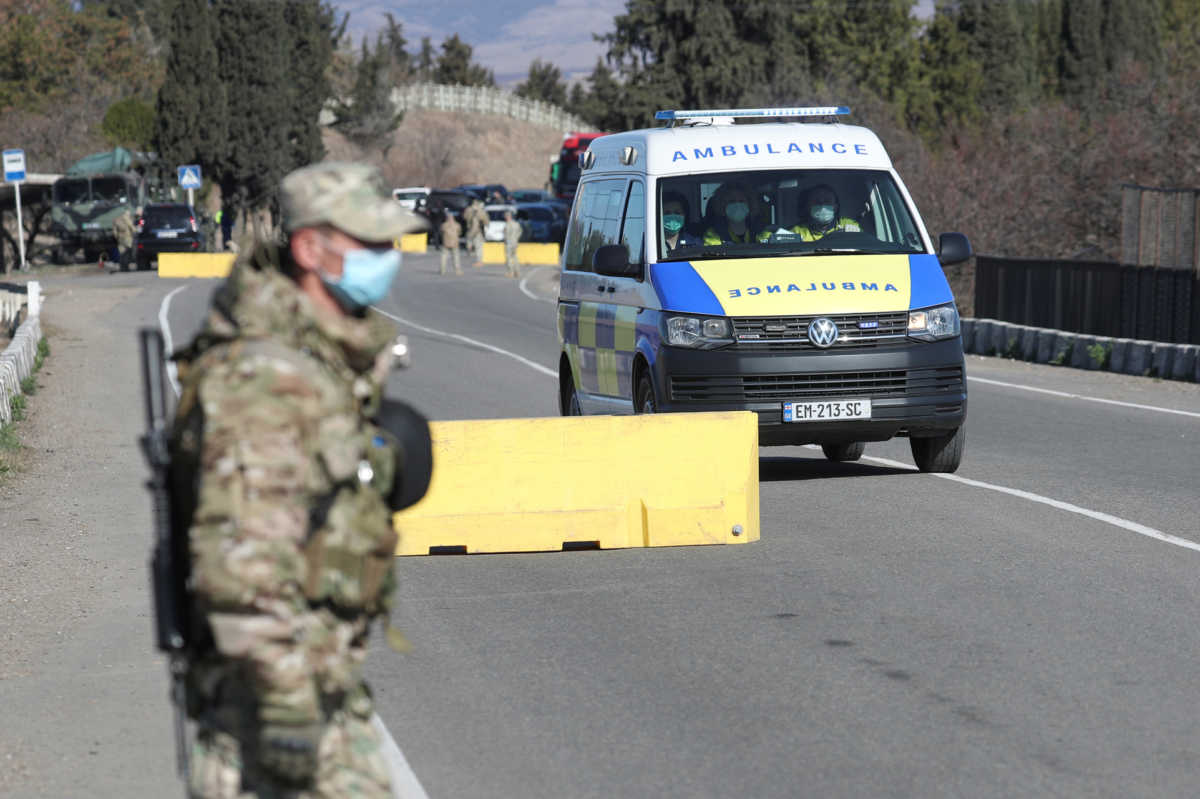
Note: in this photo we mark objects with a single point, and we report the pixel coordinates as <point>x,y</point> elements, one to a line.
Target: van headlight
<point>698,332</point>
<point>933,324</point>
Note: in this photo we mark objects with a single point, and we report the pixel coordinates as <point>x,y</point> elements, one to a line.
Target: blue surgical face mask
<point>737,212</point>
<point>822,214</point>
<point>672,223</point>
<point>366,277</point>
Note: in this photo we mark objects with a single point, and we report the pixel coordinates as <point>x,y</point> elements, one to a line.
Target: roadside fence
<point>1094,298</point>
<point>478,100</point>
<point>17,360</point>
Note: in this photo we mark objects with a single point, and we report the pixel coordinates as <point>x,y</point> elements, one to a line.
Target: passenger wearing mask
<point>734,220</point>
<point>821,215</point>
<point>674,220</point>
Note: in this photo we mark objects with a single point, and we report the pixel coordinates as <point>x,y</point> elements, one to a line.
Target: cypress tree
<point>999,44</point>
<point>313,33</point>
<point>1100,35</point>
<point>191,112</point>
<point>426,60</point>
<point>252,44</point>
<point>954,75</point>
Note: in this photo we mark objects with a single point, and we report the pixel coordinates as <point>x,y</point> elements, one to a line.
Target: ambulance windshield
<point>783,212</point>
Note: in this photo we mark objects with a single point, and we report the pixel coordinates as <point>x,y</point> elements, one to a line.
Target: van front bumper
<point>916,388</point>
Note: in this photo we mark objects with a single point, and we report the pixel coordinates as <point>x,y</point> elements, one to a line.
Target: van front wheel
<point>644,398</point>
<point>570,401</point>
<point>939,453</point>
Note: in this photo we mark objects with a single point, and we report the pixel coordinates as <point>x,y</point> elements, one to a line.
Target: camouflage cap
<point>351,197</point>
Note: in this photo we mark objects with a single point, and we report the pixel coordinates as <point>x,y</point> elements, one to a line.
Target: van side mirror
<point>612,260</point>
<point>953,248</point>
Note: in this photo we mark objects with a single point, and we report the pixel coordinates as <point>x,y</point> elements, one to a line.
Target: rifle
<point>169,564</point>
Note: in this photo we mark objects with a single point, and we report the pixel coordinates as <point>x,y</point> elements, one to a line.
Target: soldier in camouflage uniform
<point>291,537</point>
<point>123,230</point>
<point>512,237</point>
<point>476,218</point>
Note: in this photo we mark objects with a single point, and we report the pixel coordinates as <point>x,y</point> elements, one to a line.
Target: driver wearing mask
<point>821,215</point>
<point>674,219</point>
<point>734,219</point>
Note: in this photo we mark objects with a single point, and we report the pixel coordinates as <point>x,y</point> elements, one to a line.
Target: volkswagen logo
<point>822,332</point>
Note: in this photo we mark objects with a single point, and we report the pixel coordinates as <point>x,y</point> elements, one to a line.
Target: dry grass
<point>444,149</point>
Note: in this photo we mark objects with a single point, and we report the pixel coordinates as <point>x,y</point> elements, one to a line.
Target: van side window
<point>633,232</point>
<point>595,221</point>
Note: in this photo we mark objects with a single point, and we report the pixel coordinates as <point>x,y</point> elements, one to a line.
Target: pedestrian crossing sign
<point>189,176</point>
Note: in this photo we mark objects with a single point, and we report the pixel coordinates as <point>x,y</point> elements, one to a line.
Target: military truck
<point>89,197</point>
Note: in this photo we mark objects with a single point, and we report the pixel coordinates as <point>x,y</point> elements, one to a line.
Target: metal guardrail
<point>1097,298</point>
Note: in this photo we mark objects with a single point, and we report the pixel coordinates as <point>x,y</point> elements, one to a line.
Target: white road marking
<point>537,367</point>
<point>525,288</point>
<point>168,343</point>
<point>405,784</point>
<point>1116,521</point>
<point>1069,395</point>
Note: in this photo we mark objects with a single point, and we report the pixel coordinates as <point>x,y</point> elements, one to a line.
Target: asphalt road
<point>1023,630</point>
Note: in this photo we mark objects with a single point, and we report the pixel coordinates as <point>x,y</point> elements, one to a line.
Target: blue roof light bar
<point>809,111</point>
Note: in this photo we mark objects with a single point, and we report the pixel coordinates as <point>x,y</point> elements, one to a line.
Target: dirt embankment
<point>444,149</point>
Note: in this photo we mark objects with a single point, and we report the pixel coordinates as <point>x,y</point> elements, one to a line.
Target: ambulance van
<point>778,267</point>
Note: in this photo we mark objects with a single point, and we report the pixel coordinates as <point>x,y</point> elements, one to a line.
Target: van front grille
<point>880,385</point>
<point>855,331</point>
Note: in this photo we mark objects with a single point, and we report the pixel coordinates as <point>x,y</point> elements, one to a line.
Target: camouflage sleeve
<point>258,480</point>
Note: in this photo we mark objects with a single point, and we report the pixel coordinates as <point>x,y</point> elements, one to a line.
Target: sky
<point>506,34</point>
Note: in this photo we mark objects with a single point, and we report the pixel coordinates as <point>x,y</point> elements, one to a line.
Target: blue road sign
<point>14,165</point>
<point>189,176</point>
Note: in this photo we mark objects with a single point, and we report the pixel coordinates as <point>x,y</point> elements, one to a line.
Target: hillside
<point>444,148</point>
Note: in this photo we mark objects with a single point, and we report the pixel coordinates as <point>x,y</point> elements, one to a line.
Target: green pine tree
<point>369,117</point>
<point>544,83</point>
<point>454,66</point>
<point>605,99</point>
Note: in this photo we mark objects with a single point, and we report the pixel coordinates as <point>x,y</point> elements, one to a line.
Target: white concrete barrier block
<point>1162,357</point>
<point>1003,335</point>
<point>35,298</point>
<point>983,336</point>
<point>1185,361</point>
<point>1139,360</point>
<point>1120,353</point>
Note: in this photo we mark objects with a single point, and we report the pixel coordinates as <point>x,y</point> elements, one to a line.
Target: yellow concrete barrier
<point>531,253</point>
<point>195,264</point>
<point>530,485</point>
<point>414,242</point>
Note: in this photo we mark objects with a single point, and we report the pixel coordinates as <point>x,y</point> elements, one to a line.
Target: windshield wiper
<point>827,251</point>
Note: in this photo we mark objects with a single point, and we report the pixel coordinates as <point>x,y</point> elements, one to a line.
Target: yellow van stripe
<point>625,332</point>
<point>808,284</point>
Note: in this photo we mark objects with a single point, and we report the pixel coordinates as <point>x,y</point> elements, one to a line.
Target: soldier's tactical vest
<point>351,542</point>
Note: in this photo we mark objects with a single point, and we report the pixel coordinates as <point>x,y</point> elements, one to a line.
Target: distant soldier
<point>123,230</point>
<point>512,236</point>
<point>289,487</point>
<point>476,219</point>
<point>450,232</point>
